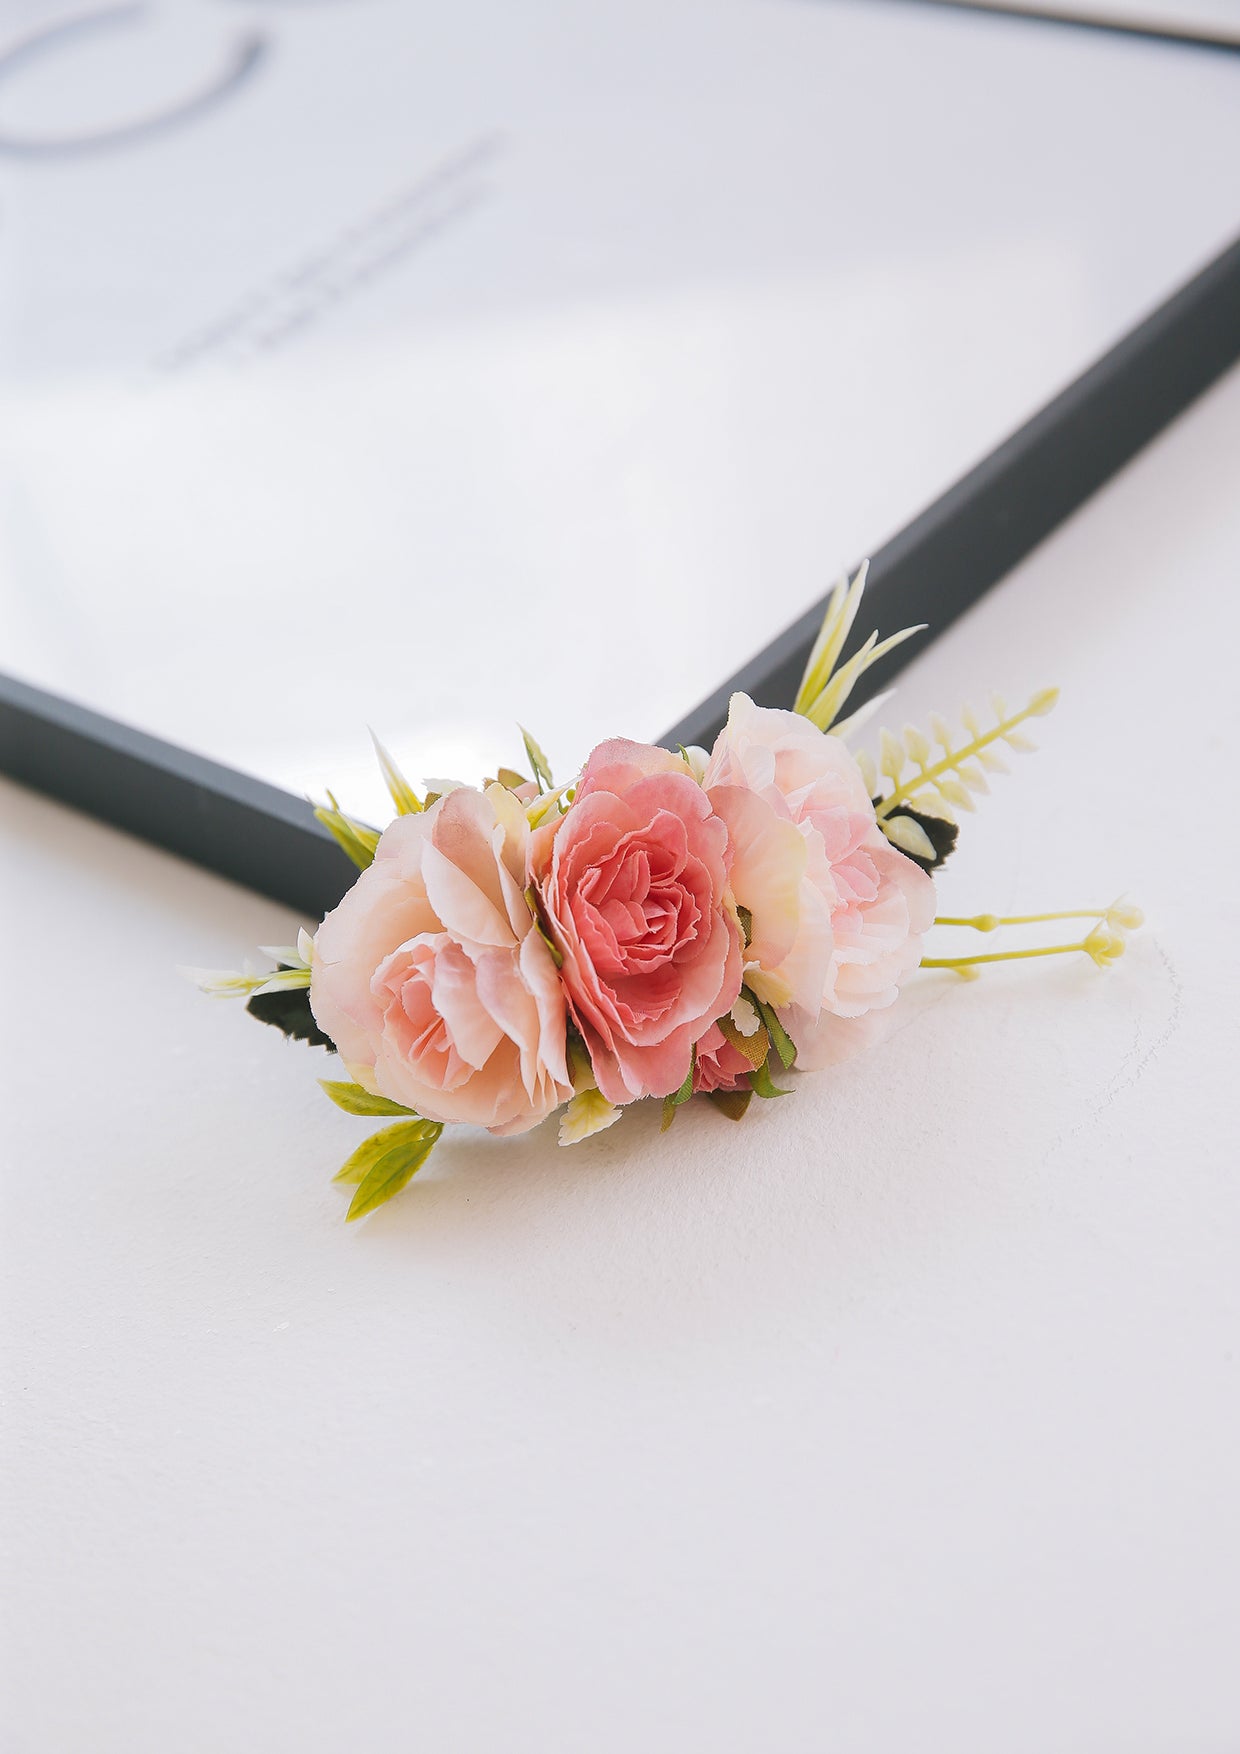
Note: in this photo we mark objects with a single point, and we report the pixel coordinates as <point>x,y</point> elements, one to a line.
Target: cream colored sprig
<point>941,773</point>
<point>355,838</point>
<point>292,971</point>
<point>936,775</point>
<point>588,1111</point>
<point>404,799</point>
<point>824,689</point>
<point>360,841</point>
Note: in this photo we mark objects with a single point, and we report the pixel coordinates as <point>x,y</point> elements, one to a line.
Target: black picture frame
<point>1085,18</point>
<point>976,532</point>
<point>932,571</point>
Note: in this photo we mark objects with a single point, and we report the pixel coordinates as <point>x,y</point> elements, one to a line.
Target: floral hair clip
<point>667,925</point>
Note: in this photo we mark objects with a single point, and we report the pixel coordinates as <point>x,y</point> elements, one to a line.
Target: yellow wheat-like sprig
<point>938,785</point>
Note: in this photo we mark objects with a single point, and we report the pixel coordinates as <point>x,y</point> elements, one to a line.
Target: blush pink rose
<point>633,882</point>
<point>838,913</point>
<point>432,979</point>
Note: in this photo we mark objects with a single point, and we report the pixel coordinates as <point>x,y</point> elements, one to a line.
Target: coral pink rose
<point>720,1065</point>
<point>837,912</point>
<point>633,884</point>
<point>432,979</point>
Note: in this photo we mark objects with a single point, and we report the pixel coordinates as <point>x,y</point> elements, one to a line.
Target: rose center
<point>415,986</point>
<point>639,910</point>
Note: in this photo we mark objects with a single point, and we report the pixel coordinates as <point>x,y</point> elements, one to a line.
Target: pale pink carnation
<point>633,882</point>
<point>837,912</point>
<point>432,979</point>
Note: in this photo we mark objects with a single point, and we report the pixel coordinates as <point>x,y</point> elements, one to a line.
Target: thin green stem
<point>999,956</point>
<point>988,922</point>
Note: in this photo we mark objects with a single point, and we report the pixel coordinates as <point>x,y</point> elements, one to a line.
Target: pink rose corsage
<point>667,925</point>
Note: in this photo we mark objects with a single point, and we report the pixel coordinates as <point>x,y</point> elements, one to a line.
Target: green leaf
<point>356,1101</point>
<point>732,1103</point>
<point>746,919</point>
<point>390,1175</point>
<point>508,776</point>
<point>783,1043</point>
<point>402,794</point>
<point>290,1013</point>
<point>353,838</point>
<point>358,1166</point>
<point>533,903</point>
<point>387,1162</point>
<point>538,761</point>
<point>686,1089</point>
<point>580,1071</point>
<point>673,1102</point>
<point>760,1082</point>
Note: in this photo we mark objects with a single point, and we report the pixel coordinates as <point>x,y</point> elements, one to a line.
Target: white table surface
<point>903,1416</point>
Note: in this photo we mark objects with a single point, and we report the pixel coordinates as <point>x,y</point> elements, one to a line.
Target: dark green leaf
<point>760,1082</point>
<point>746,919</point>
<point>356,1101</point>
<point>580,1071</point>
<point>732,1103</point>
<point>673,1102</point>
<point>289,1011</point>
<point>686,1089</point>
<point>535,907</point>
<point>783,1042</point>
